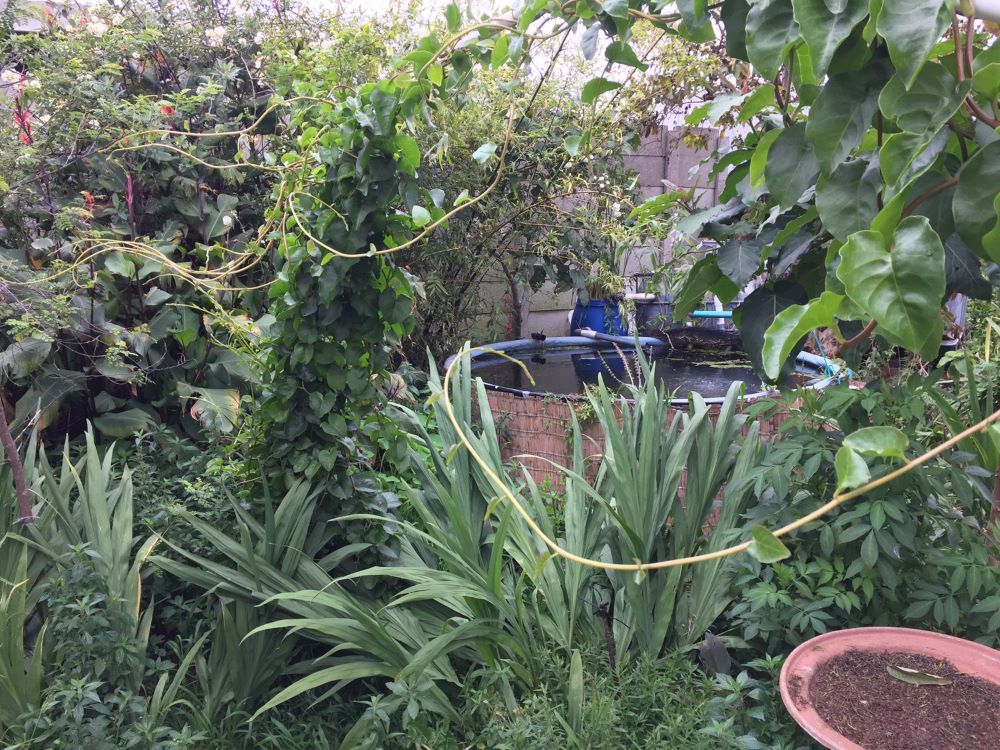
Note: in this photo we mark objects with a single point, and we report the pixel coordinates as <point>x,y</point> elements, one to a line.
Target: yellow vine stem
<point>113,146</point>
<point>639,566</point>
<point>511,112</point>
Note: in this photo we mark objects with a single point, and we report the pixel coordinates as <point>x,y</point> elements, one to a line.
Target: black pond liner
<point>702,360</point>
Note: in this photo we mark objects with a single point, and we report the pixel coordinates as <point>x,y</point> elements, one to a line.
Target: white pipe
<point>988,10</point>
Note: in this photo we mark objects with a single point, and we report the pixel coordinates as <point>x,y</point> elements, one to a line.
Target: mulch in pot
<point>857,696</point>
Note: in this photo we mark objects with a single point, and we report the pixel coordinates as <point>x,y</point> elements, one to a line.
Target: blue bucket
<point>599,316</point>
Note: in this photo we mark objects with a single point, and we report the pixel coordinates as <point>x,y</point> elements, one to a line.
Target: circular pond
<point>534,419</point>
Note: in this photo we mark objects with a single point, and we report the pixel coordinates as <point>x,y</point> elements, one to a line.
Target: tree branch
<point>927,195</point>
<point>855,340</point>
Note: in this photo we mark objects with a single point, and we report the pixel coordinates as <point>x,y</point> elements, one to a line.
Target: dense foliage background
<point>235,240</point>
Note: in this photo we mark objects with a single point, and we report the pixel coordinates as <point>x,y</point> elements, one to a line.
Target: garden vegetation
<point>240,505</point>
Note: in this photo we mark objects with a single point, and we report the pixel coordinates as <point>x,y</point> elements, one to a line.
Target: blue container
<point>589,366</point>
<point>599,316</point>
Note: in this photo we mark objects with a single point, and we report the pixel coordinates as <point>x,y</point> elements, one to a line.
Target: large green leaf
<point>852,471</point>
<point>791,166</point>
<point>218,221</point>
<point>766,547</point>
<point>973,206</point>
<point>41,401</point>
<point>901,289</point>
<point>842,114</point>
<point>759,311</point>
<point>23,357</point>
<point>771,30</point>
<point>215,408</point>
<point>986,81</point>
<point>847,200</point>
<point>986,72</point>
<point>905,156</point>
<point>885,442</point>
<point>622,53</point>
<point>963,272</point>
<point>694,13</point>
<point>758,160</point>
<point>991,240</point>
<point>409,152</point>
<point>911,28</point>
<point>124,423</point>
<point>739,259</point>
<point>928,103</point>
<point>734,19</point>
<point>761,98</point>
<point>937,208</point>
<point>825,25</point>
<point>595,87</point>
<point>791,325</point>
<point>703,277</point>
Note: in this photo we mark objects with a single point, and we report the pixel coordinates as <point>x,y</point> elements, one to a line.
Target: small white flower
<point>97,28</point>
<point>242,41</point>
<point>10,78</point>
<point>227,221</point>
<point>93,123</point>
<point>117,19</point>
<point>258,38</point>
<point>216,35</point>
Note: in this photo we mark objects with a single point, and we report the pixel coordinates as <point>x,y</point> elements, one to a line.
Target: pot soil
<point>896,716</point>
<point>855,694</point>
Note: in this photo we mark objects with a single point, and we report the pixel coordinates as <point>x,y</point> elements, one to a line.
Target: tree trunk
<point>515,320</point>
<point>16,467</point>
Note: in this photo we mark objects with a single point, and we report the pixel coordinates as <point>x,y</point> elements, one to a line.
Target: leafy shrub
<point>81,569</point>
<point>652,704</point>
<point>472,596</point>
<point>911,553</point>
<point>126,234</point>
<point>93,698</point>
<point>747,711</point>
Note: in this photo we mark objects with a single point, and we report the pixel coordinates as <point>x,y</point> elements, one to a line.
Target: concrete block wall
<point>664,161</point>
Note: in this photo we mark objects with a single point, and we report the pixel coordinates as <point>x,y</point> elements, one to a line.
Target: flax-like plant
<point>977,394</point>
<point>647,453</point>
<point>564,598</point>
<point>20,667</point>
<point>475,586</point>
<point>87,507</point>
<point>264,559</point>
<point>239,671</point>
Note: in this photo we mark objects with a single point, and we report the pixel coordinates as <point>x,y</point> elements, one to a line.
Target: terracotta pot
<point>802,664</point>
